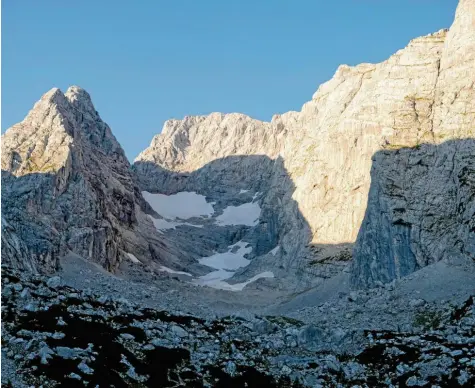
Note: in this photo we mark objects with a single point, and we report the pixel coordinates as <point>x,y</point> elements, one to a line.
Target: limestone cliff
<point>423,94</point>
<point>388,143</point>
<point>421,205</point>
<point>67,186</point>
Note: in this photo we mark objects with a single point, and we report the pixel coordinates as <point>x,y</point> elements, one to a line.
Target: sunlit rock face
<point>402,127</point>
<point>67,186</point>
<point>328,145</point>
<point>423,94</point>
<point>421,205</point>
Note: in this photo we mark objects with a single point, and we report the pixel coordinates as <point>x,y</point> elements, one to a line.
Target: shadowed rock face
<point>67,185</point>
<point>15,251</point>
<point>423,94</point>
<point>70,187</point>
<point>421,209</point>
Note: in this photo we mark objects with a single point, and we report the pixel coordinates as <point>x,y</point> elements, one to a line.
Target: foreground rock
<point>59,335</point>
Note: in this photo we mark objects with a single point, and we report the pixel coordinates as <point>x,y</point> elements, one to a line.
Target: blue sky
<point>146,61</point>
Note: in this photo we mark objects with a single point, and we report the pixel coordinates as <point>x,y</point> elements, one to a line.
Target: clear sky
<point>146,61</point>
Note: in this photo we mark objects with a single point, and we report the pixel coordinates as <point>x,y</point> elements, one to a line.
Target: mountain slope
<point>284,198</point>
<point>67,185</point>
<point>421,94</point>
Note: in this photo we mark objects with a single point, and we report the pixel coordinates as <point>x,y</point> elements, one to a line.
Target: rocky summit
<point>329,247</point>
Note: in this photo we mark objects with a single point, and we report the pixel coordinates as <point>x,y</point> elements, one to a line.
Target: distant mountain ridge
<point>325,177</point>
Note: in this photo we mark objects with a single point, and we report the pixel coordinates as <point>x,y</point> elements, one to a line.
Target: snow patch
<point>225,264</point>
<point>163,224</point>
<point>182,205</point>
<point>214,277</point>
<point>262,275</point>
<point>275,250</point>
<point>256,195</point>
<point>228,260</point>
<point>245,214</point>
<point>133,258</point>
<point>243,191</point>
<point>169,270</point>
<point>216,282</point>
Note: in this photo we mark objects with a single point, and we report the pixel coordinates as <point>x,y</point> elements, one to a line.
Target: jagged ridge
<point>67,186</point>
<point>422,94</point>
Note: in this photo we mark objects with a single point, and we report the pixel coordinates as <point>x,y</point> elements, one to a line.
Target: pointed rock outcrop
<point>67,186</point>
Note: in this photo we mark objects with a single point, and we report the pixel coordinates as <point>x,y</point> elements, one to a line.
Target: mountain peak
<point>76,92</point>
<point>461,36</point>
<point>81,100</point>
<point>41,142</point>
<point>53,96</point>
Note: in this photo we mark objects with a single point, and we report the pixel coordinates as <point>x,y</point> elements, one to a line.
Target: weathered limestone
<point>422,94</point>
<point>67,185</point>
<point>409,120</point>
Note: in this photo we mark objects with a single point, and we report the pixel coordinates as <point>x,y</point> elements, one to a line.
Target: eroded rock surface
<point>423,94</point>
<point>67,186</point>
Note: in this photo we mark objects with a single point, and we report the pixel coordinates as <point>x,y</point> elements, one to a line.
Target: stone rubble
<point>83,339</point>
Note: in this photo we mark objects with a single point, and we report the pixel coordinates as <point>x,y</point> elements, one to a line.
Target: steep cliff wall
<point>409,120</point>
<point>421,206</point>
<point>67,185</point>
<point>423,94</point>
